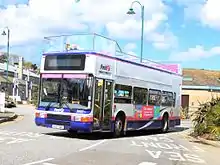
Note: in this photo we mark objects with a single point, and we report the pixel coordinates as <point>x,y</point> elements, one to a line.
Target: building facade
<point>199,86</point>
<point>21,83</point>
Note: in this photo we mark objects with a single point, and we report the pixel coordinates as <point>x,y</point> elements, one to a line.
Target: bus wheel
<point>165,123</point>
<point>119,126</point>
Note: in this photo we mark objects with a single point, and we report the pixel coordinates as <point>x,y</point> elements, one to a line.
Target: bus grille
<point>58,117</point>
<point>57,122</point>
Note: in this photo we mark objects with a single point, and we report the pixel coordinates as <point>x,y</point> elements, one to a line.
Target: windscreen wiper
<point>71,110</point>
<point>48,106</point>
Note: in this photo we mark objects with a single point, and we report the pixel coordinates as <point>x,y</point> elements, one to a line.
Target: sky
<point>175,31</point>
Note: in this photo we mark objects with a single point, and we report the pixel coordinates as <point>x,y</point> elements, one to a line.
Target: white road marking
<point>147,163</point>
<point>96,144</point>
<point>40,161</point>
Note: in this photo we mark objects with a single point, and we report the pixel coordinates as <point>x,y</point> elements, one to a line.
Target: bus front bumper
<point>64,125</point>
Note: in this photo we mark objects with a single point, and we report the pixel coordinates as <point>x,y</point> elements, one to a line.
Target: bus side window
<point>154,97</point>
<point>167,98</point>
<point>140,96</point>
<point>122,94</point>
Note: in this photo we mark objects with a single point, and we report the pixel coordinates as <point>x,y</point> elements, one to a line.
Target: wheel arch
<point>165,114</point>
<point>121,113</point>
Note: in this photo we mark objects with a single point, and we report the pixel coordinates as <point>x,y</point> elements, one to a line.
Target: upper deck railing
<point>88,42</point>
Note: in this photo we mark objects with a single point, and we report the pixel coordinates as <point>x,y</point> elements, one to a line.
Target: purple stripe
<point>74,76</point>
<point>51,75</point>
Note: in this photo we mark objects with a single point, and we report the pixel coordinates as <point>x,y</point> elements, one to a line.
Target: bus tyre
<point>165,124</point>
<point>119,126</point>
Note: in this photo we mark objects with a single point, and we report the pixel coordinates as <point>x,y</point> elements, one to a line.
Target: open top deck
<point>91,42</point>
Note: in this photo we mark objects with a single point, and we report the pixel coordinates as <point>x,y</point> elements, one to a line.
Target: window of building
<point>154,97</point>
<point>11,74</point>
<point>122,94</point>
<point>187,78</point>
<point>140,96</point>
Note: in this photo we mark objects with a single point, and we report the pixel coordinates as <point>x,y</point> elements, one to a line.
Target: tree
<point>27,65</point>
<point>30,65</point>
<point>34,67</point>
<point>207,120</point>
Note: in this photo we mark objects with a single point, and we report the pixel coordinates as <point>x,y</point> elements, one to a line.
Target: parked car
<point>9,103</point>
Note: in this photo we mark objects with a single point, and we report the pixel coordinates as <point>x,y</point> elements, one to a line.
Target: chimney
<point>20,67</point>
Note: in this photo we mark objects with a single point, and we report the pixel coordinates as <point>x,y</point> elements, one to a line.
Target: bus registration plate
<point>58,126</point>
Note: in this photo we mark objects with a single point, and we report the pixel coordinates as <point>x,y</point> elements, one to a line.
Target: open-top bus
<point>104,89</point>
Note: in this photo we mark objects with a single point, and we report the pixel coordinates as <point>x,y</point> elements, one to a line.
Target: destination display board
<point>65,62</point>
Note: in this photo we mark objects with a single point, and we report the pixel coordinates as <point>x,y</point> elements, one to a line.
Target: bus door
<point>102,110</point>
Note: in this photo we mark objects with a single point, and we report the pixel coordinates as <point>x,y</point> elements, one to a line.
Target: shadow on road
<point>107,135</point>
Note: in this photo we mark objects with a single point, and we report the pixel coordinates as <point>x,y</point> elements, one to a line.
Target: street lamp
<point>131,12</point>
<point>4,33</point>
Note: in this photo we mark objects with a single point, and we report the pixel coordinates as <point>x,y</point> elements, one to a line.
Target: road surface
<point>22,143</point>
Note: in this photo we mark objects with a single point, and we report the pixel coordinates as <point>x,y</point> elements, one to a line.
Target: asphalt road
<point>22,143</point>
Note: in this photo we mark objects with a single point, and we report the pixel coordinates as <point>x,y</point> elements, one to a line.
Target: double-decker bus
<point>92,90</point>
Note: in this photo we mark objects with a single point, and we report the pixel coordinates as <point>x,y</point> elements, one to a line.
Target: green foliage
<point>207,119</point>
<point>30,65</point>
<point>34,96</point>
<point>27,65</point>
<point>184,113</point>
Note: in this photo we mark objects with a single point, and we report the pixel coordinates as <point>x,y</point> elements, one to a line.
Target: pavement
<point>8,115</point>
<point>22,143</point>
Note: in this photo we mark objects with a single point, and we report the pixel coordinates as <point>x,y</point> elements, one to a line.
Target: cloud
<point>192,8</point>
<point>205,11</point>
<point>40,18</point>
<point>130,50</point>
<point>196,53</point>
<point>12,2</point>
<point>131,28</point>
<point>29,23</point>
<point>210,14</point>
<point>166,40</point>
<point>188,2</point>
<point>130,46</point>
<point>34,21</point>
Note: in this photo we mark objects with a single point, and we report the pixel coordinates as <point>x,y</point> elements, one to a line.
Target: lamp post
<point>130,12</point>
<point>4,33</point>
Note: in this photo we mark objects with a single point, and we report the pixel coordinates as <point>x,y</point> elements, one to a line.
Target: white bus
<point>88,91</point>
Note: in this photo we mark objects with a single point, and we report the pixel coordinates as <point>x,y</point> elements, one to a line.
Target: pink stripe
<point>51,75</point>
<point>74,76</point>
<point>170,67</point>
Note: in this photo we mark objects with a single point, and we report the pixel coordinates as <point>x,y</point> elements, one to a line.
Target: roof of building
<point>201,77</point>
